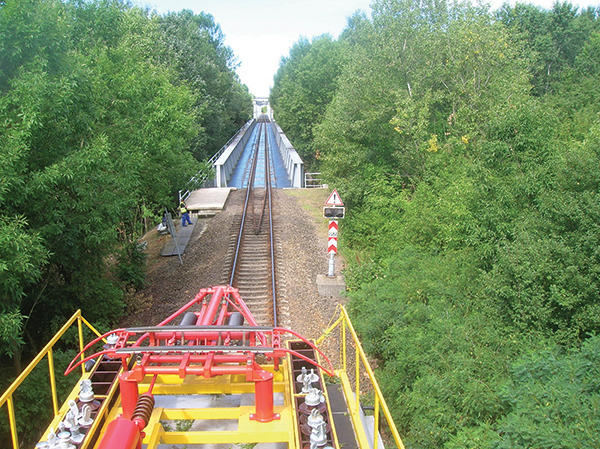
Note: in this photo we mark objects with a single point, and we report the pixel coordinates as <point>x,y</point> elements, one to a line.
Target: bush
<point>131,268</point>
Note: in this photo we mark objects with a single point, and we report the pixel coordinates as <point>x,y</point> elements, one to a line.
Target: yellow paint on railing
<point>7,396</point>
<point>52,381</point>
<point>361,364</point>
<point>11,419</point>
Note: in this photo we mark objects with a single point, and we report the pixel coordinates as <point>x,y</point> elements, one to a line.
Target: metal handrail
<point>309,180</point>
<point>7,397</point>
<point>353,395</point>
<point>201,177</point>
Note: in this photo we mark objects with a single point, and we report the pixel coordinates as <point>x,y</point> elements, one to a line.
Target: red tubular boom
<point>183,360</point>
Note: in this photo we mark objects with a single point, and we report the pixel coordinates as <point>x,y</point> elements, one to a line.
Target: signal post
<point>332,285</point>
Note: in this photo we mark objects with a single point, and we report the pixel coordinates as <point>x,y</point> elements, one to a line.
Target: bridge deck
<point>279,177</point>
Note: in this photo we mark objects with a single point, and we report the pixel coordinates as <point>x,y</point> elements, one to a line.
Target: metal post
<point>80,332</point>
<point>357,375</point>
<point>376,416</point>
<point>332,246</point>
<point>344,354</point>
<point>129,393</point>
<point>173,233</point>
<point>331,272</point>
<point>263,394</point>
<point>12,422</point>
<point>52,381</point>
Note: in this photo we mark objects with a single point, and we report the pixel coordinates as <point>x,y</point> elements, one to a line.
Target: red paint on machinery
<point>208,348</point>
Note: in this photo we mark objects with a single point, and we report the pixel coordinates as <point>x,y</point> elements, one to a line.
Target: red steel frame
<point>204,349</point>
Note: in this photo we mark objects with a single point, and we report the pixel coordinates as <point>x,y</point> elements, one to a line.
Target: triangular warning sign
<point>334,199</point>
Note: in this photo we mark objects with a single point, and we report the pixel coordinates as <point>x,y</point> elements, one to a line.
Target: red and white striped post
<point>334,210</point>
<point>332,246</point>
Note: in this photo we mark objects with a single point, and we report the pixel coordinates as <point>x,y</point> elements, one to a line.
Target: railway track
<point>252,255</point>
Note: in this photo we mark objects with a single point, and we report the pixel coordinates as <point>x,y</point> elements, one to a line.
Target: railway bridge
<point>232,164</point>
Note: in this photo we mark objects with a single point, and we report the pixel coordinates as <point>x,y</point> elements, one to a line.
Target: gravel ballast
<point>301,255</point>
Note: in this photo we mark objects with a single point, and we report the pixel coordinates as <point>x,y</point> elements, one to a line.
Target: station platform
<point>202,203</point>
<point>207,202</point>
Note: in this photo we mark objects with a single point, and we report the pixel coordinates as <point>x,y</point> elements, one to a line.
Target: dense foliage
<point>303,88</point>
<point>103,107</point>
<point>466,144</point>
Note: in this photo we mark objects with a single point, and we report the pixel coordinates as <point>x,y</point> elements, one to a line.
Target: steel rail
<point>246,202</point>
<point>267,207</point>
<point>271,240</point>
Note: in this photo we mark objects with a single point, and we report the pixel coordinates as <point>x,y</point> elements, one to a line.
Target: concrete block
<point>332,287</point>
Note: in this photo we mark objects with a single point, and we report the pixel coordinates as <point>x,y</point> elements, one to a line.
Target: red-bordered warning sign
<point>334,199</point>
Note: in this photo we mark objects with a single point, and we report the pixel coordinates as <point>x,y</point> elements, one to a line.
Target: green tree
<point>88,145</point>
<point>30,30</point>
<point>195,49</point>
<point>553,38</point>
<point>303,87</point>
<point>576,96</point>
<point>552,398</point>
<point>22,258</point>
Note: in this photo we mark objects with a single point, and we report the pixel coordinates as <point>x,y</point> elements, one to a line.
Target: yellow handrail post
<point>12,422</point>
<point>380,407</point>
<point>80,331</point>
<point>344,353</point>
<point>52,381</point>
<point>7,396</point>
<point>376,416</point>
<point>357,374</point>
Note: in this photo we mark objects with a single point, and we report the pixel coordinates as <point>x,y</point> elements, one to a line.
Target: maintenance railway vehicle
<point>211,373</point>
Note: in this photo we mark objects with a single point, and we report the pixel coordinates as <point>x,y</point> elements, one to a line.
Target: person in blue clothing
<point>185,215</point>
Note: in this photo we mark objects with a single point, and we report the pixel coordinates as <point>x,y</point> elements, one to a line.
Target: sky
<point>261,32</point>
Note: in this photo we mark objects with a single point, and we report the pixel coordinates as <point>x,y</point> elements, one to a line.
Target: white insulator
<point>315,418</point>
<point>307,384</point>
<point>112,339</point>
<point>302,375</point>
<point>69,421</point>
<point>52,439</point>
<point>86,416</point>
<point>312,376</point>
<point>74,409</point>
<point>86,394</point>
<point>314,398</point>
<point>76,436</point>
<point>64,441</point>
<point>319,435</point>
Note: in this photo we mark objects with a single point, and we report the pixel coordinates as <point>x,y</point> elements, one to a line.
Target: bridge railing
<point>313,181</point>
<point>227,160</point>
<point>357,378</point>
<point>292,161</point>
<point>8,396</point>
<point>201,179</point>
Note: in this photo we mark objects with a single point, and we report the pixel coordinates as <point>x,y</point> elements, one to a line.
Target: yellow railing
<point>353,394</point>
<point>7,397</point>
